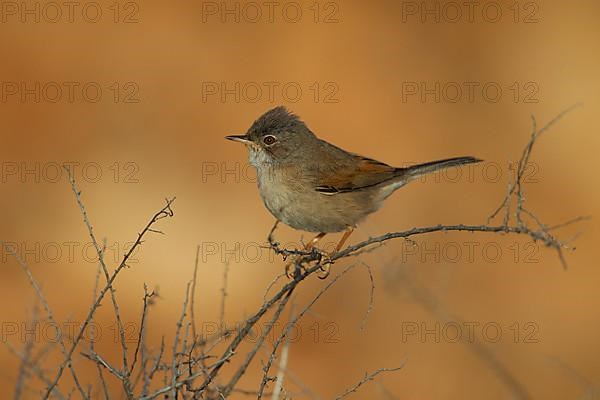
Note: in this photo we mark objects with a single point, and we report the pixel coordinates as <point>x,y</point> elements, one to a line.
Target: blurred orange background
<point>157,85</point>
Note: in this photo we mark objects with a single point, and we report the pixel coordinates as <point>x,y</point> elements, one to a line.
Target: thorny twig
<point>366,379</point>
<point>164,212</point>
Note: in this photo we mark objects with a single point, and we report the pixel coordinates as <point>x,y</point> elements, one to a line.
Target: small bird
<point>312,185</point>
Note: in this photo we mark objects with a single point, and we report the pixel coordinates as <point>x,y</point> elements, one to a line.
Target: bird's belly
<point>302,207</point>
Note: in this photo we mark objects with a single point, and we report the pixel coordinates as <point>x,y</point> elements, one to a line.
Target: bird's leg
<point>327,263</point>
<point>309,246</point>
<point>271,238</point>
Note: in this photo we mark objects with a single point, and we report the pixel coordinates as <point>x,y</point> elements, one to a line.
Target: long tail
<point>415,171</point>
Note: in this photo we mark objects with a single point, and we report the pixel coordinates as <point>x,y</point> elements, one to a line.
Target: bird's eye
<point>269,140</point>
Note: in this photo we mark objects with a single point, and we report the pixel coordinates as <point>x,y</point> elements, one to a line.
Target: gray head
<point>275,136</point>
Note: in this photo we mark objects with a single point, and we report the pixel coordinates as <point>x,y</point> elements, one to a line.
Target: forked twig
<point>367,378</point>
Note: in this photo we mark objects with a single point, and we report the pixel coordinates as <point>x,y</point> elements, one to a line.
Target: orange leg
<point>343,240</point>
<point>327,264</point>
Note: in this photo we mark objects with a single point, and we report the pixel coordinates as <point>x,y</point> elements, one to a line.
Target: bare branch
<point>36,287</point>
<point>174,363</point>
<point>363,323</point>
<point>95,357</point>
<point>366,379</point>
<point>150,375</point>
<point>113,296</point>
<point>292,323</point>
<point>283,362</point>
<point>164,212</point>
<point>22,376</point>
<point>258,344</point>
<point>525,158</point>
<point>147,301</point>
<point>192,304</point>
<point>35,369</point>
<point>224,293</point>
<point>95,293</point>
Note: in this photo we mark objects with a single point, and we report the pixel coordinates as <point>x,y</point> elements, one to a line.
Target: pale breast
<point>278,193</point>
<point>293,200</point>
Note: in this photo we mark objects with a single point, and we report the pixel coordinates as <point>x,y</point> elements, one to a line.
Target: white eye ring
<point>269,140</point>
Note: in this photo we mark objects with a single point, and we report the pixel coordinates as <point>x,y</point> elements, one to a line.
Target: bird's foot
<point>294,267</point>
<point>291,267</point>
<point>325,266</point>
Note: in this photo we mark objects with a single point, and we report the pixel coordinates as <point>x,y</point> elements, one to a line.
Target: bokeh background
<point>168,74</point>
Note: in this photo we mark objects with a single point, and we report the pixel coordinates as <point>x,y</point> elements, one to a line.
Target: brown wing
<point>360,173</point>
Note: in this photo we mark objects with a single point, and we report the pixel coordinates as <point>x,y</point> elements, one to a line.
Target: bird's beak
<point>239,138</point>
